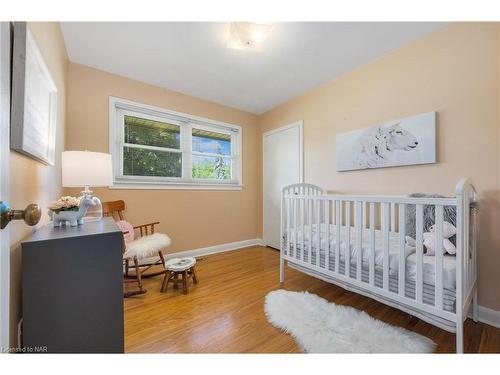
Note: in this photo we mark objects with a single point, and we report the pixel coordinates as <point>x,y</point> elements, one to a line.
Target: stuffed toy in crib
<point>449,231</point>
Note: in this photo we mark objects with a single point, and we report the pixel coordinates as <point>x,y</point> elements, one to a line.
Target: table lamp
<point>87,169</point>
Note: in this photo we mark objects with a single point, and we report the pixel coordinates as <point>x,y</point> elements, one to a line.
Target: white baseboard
<point>216,248</point>
<point>488,316</point>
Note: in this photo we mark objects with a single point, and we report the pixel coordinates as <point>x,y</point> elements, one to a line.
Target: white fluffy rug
<point>319,326</point>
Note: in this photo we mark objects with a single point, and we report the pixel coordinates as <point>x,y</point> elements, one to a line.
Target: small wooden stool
<point>176,267</point>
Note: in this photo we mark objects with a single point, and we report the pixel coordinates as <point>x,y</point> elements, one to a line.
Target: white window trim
<point>117,106</point>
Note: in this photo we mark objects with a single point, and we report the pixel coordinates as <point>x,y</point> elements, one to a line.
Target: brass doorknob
<point>31,214</point>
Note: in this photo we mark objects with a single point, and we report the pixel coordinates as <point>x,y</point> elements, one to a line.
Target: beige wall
<point>453,71</point>
<point>192,218</point>
<point>31,181</point>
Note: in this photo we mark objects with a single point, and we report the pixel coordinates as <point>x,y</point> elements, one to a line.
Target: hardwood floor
<point>224,312</point>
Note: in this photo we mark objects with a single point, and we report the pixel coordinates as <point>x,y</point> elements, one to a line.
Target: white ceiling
<point>192,57</point>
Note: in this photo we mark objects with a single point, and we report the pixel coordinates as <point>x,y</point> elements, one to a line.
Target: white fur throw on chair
<point>147,246</point>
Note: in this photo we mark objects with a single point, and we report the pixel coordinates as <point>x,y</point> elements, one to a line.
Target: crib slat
<point>288,233</point>
<point>359,238</point>
<point>318,237</point>
<point>385,244</point>
<point>419,229</point>
<point>461,249</point>
<point>347,250</point>
<point>470,269</point>
<point>439,259</point>
<point>372,244</point>
<point>302,216</point>
<point>310,224</point>
<point>326,213</point>
<point>393,217</point>
<point>466,248</point>
<point>338,216</point>
<point>466,264</point>
<point>466,245</point>
<point>282,226</point>
<point>365,215</point>
<point>295,227</point>
<point>473,258</point>
<point>402,256</point>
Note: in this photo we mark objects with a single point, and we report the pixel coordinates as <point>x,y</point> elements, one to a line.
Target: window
<point>158,148</point>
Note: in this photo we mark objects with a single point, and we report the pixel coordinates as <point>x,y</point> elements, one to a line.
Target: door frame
<point>297,124</point>
<point>5,40</point>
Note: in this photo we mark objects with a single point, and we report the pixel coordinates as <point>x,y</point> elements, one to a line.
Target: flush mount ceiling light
<point>247,35</point>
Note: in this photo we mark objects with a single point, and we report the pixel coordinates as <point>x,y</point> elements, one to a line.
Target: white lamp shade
<point>85,168</point>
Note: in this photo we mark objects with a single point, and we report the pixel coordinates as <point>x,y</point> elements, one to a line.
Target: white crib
<point>358,243</point>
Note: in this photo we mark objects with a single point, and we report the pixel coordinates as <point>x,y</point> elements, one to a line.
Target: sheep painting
<point>407,141</point>
<point>377,146</point>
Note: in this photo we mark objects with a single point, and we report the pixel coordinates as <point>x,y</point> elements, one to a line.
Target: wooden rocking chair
<point>115,209</point>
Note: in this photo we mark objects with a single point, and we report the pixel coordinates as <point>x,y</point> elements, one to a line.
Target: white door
<point>283,165</point>
<point>4,180</point>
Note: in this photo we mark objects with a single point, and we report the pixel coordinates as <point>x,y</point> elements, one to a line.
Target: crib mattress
<point>310,235</point>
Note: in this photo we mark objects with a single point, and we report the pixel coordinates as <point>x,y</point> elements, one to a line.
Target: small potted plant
<point>70,209</point>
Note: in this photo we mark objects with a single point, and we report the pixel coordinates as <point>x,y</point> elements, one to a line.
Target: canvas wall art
<point>34,99</point>
<point>408,141</point>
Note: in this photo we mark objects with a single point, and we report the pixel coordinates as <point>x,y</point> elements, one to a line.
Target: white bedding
<point>449,263</point>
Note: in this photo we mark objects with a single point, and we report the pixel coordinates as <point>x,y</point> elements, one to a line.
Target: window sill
<point>173,186</point>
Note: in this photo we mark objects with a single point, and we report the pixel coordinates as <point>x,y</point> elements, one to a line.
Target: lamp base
<point>94,213</point>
